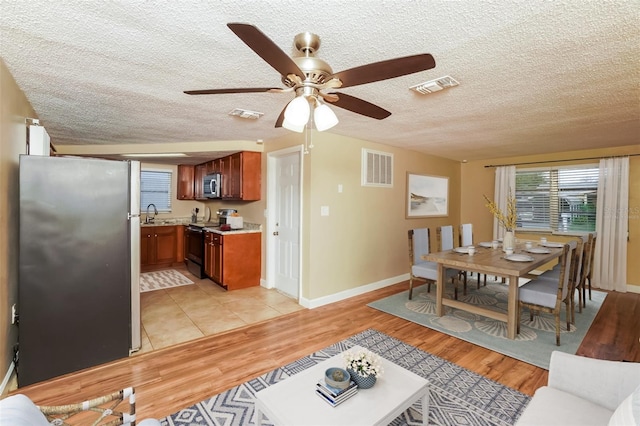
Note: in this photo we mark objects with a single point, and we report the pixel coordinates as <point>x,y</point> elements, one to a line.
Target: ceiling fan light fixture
<point>293,127</point>
<point>297,112</point>
<point>324,117</point>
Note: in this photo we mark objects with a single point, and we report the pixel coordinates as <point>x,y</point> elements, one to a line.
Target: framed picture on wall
<point>427,196</point>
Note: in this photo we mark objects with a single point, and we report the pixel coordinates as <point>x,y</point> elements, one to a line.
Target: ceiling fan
<point>312,79</point>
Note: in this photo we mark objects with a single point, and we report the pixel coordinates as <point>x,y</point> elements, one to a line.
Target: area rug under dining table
<point>457,396</point>
<point>533,344</point>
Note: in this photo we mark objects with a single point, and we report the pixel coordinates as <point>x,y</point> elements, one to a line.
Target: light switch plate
<point>324,210</point>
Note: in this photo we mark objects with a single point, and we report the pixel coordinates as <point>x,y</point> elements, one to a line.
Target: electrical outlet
<point>14,313</point>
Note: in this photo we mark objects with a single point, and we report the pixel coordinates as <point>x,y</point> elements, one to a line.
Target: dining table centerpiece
<point>364,367</point>
<point>506,219</point>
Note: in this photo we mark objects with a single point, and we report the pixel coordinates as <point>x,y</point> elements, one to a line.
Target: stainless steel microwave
<point>211,185</point>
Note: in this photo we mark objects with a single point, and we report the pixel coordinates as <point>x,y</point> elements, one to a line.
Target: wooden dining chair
<point>587,266</point>
<point>421,269</point>
<point>576,248</point>
<point>548,295</point>
<point>588,277</point>
<point>466,239</point>
<point>445,242</point>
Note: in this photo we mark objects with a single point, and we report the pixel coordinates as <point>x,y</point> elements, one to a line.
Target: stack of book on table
<point>334,396</point>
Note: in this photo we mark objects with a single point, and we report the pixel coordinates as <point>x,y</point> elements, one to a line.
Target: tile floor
<point>179,314</point>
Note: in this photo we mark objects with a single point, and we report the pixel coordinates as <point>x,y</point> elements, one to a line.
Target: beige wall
<point>478,180</point>
<point>14,108</point>
<point>364,238</point>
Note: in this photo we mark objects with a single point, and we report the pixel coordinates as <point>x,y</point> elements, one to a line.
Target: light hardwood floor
<point>169,379</point>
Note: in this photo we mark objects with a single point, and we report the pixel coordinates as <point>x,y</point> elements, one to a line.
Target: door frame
<point>270,257</point>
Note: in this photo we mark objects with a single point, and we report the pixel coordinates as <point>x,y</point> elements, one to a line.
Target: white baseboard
<point>7,378</point>
<point>633,288</point>
<point>336,297</point>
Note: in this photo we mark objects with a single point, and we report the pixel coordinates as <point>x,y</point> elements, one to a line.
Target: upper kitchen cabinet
<point>243,176</point>
<point>186,180</point>
<point>200,172</point>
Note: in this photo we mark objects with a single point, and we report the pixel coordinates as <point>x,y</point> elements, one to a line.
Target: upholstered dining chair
<point>548,295</point>
<point>466,239</point>
<point>421,269</point>
<point>445,242</point>
<point>576,272</point>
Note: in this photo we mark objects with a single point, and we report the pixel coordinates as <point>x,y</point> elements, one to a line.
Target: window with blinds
<point>155,188</point>
<point>557,198</point>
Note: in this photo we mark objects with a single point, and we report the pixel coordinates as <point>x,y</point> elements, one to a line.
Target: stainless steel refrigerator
<point>79,264</point>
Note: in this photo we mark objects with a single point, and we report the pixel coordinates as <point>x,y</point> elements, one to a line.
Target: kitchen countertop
<point>206,226</point>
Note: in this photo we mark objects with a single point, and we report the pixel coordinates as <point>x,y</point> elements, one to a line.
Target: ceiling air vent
<point>244,113</point>
<point>435,85</point>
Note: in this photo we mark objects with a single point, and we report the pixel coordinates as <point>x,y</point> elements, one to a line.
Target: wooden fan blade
<point>266,49</point>
<point>384,70</point>
<point>223,91</point>
<point>280,119</point>
<point>358,106</point>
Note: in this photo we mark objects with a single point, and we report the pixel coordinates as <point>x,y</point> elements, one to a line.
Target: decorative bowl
<point>337,377</point>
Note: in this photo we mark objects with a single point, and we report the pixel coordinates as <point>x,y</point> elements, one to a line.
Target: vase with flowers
<point>507,220</point>
<point>364,367</point>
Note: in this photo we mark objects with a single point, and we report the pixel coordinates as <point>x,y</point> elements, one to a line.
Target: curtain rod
<point>559,161</point>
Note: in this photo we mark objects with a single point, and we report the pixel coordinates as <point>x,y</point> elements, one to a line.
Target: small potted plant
<point>364,367</point>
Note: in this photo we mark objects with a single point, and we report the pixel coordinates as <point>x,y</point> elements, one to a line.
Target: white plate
<point>519,258</point>
<point>538,250</point>
<point>461,249</point>
<point>486,244</point>
<point>552,245</point>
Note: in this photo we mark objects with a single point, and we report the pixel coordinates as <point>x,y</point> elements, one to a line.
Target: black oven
<point>194,247</point>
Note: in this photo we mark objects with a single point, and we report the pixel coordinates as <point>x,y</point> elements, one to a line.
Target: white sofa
<point>586,391</point>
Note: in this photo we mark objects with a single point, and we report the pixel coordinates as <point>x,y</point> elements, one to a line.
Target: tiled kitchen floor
<point>179,314</point>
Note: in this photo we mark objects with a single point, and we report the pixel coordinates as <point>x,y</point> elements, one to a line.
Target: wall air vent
<point>435,85</point>
<point>244,113</point>
<point>377,168</point>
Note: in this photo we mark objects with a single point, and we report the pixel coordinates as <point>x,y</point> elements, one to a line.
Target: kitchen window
<point>561,199</point>
<point>155,188</point>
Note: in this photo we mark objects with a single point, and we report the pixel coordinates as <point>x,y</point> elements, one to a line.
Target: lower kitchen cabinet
<point>158,246</point>
<point>233,260</point>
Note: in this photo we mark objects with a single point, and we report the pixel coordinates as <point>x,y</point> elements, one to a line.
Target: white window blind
<point>557,198</point>
<point>377,168</point>
<point>155,188</point>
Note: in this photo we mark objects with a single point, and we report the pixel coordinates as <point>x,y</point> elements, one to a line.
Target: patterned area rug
<point>534,344</point>
<point>157,280</point>
<point>457,396</point>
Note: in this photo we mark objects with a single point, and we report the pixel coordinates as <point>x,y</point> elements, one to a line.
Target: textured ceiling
<point>535,76</point>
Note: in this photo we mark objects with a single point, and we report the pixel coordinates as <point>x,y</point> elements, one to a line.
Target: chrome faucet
<point>155,212</point>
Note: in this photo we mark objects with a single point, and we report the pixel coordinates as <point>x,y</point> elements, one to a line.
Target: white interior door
<point>284,222</point>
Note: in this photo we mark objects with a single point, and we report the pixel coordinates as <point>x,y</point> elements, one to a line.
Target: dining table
<point>492,261</point>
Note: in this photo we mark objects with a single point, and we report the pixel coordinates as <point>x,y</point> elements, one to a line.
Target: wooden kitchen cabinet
<point>243,176</point>
<point>186,182</point>
<point>200,171</point>
<point>158,246</point>
<point>233,260</point>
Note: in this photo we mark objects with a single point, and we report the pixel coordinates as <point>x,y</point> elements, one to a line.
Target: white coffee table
<point>294,402</point>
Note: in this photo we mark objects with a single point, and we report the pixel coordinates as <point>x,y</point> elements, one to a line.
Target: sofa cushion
<point>628,412</point>
<point>550,407</point>
<point>19,410</point>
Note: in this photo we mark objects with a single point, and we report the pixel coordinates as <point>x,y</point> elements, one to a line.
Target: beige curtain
<point>612,225</point>
<point>505,185</point>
